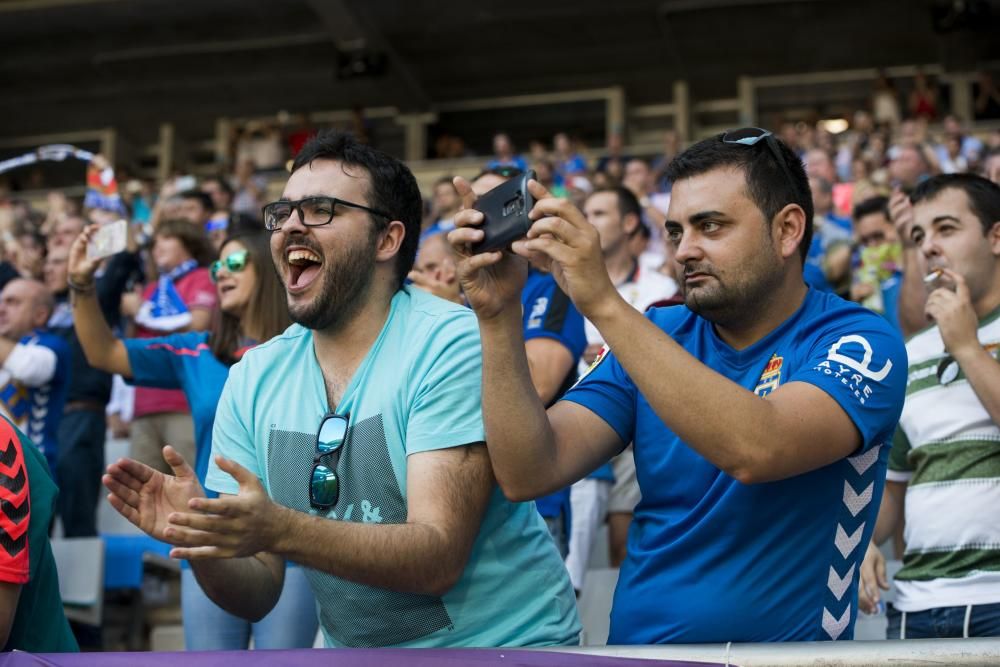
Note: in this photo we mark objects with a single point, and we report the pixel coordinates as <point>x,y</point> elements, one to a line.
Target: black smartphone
<point>505,211</point>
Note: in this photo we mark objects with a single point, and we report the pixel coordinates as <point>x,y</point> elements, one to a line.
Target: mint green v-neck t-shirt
<point>418,389</point>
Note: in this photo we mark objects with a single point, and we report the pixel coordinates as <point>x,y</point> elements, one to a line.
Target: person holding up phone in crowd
<point>759,412</point>
<point>197,363</point>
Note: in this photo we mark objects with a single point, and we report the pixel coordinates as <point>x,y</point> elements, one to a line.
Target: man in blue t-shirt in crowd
<point>761,413</point>
<point>352,444</point>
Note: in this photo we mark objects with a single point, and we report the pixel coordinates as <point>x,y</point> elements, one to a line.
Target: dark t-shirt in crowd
<point>7,274</point>
<point>85,382</point>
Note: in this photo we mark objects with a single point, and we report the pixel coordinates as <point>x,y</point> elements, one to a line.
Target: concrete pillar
<point>165,162</point>
<point>615,121</point>
<point>415,134</point>
<point>682,111</point>
<point>748,101</point>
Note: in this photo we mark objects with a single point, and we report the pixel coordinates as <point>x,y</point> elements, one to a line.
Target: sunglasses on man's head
<point>750,136</point>
<point>324,485</point>
<point>233,262</point>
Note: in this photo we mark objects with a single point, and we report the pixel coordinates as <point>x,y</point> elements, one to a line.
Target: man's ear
<point>390,241</point>
<point>788,228</point>
<point>993,236</point>
<point>630,224</point>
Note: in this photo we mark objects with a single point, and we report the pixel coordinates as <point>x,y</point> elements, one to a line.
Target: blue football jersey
<point>711,559</point>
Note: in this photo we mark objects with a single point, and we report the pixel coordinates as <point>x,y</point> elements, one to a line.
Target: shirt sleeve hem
<point>626,438</point>
<point>898,476</point>
<point>448,441</point>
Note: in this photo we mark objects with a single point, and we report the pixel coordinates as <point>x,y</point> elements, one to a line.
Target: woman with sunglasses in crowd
<point>252,310</point>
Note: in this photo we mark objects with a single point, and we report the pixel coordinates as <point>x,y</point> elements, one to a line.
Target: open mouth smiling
<point>303,267</point>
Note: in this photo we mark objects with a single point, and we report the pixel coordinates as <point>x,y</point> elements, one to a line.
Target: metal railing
<point>905,653</point>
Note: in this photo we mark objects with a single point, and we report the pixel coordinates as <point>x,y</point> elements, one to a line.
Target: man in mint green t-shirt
<point>353,443</point>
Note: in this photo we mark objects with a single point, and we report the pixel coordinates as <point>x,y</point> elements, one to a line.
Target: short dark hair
<point>983,194</point>
<point>768,186</point>
<point>223,183</point>
<point>203,197</point>
<point>191,236</point>
<point>876,204</point>
<point>392,187</point>
<point>627,201</point>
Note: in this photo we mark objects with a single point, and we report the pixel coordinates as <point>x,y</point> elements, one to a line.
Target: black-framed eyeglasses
<point>233,262</point>
<point>749,136</point>
<point>324,484</point>
<point>313,211</point>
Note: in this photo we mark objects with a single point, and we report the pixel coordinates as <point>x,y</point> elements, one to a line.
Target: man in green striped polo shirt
<point>944,469</point>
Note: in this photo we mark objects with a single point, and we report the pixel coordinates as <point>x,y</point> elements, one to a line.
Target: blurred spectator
<point>986,102</point>
<point>991,166</point>
<point>31,609</point>
<point>671,147</point>
<point>65,231</point>
<point>80,460</point>
<point>28,253</point>
<point>613,161</point>
<point>35,364</point>
<point>182,298</point>
<point>434,268</point>
<point>248,189</point>
<point>546,175</point>
<point>504,155</point>
<point>639,179</point>
<point>445,203</point>
<point>950,156</point>
<point>298,131</point>
<point>970,147</point>
<point>878,278</point>
<point>831,240</point>
<point>218,188</point>
<point>565,158</point>
<point>885,103</point>
<point>909,166</point>
<point>923,99</point>
<point>196,207</point>
<point>261,144</point>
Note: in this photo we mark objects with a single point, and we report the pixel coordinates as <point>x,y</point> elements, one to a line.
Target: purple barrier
<point>345,657</point>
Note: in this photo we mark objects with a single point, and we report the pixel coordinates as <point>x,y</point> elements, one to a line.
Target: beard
<point>344,288</point>
<point>735,296</point>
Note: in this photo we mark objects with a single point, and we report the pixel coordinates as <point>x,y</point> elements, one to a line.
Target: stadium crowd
<point>374,406</point>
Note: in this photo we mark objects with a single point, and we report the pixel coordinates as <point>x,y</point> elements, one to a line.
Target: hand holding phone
<point>109,239</point>
<point>505,211</point>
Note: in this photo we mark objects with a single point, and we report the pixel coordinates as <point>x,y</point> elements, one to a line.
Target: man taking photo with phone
<point>760,412</point>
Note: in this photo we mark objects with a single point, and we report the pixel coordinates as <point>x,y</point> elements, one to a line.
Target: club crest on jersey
<point>771,377</point>
<point>601,356</point>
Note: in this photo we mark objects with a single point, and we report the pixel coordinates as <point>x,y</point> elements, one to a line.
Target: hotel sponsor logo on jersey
<point>856,375</point>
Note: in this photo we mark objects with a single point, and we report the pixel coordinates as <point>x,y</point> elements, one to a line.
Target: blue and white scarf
<point>165,310</point>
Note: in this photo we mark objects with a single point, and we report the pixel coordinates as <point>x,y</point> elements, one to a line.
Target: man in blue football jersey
<point>761,412</point>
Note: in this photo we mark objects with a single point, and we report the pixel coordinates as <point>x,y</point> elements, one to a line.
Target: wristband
<point>79,288</point>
